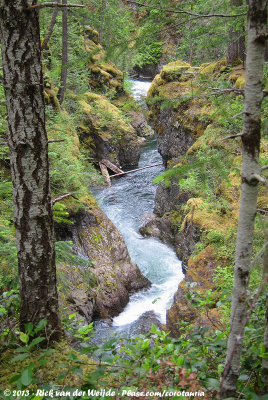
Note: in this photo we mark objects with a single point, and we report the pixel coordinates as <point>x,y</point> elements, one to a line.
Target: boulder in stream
<point>144,323</point>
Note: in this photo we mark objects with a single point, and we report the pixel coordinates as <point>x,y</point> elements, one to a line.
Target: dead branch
<point>63,197</point>
<point>264,168</point>
<point>265,93</point>
<point>262,37</point>
<point>233,136</point>
<point>260,179</point>
<point>56,140</point>
<point>38,6</point>
<point>228,90</point>
<point>188,12</point>
<point>262,211</point>
<point>237,115</point>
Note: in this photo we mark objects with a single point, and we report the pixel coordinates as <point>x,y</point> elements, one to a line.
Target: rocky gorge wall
<point>102,288</point>
<point>197,202</point>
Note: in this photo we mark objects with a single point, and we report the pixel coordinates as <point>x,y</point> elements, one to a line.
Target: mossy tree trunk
<point>28,145</point>
<point>257,18</point>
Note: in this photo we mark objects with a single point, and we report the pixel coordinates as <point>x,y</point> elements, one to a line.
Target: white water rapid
<point>125,203</point>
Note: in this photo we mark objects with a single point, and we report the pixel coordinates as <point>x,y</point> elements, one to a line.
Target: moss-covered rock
<point>106,133</point>
<point>104,75</point>
<point>200,270</point>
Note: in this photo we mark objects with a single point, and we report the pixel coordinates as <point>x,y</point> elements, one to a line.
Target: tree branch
<point>38,6</point>
<point>237,115</point>
<point>228,90</point>
<point>260,179</point>
<point>56,140</point>
<point>63,197</point>
<point>233,136</point>
<point>188,12</point>
<point>264,168</point>
<point>265,93</point>
<point>262,37</point>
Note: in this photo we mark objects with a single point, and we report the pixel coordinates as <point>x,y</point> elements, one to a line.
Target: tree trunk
<point>236,44</point>
<point>27,140</point>
<point>51,27</point>
<point>249,190</point>
<point>63,79</point>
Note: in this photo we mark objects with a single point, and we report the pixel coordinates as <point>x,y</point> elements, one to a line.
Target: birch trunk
<point>27,140</point>
<point>257,17</point>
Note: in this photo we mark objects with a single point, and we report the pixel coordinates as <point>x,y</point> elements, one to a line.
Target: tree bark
<point>257,17</point>
<point>63,79</point>
<point>27,140</point>
<point>236,44</point>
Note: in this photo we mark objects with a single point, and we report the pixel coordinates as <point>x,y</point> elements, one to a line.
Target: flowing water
<point>125,203</point>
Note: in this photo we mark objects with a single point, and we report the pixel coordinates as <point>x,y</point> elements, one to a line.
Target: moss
<point>106,118</point>
<point>213,68</point>
<point>92,34</point>
<point>240,82</point>
<point>206,219</point>
<point>174,70</point>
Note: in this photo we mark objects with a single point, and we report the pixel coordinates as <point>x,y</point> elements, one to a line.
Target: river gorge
<point>127,203</point>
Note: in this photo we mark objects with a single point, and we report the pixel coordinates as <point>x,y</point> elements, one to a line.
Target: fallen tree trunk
<point>135,170</point>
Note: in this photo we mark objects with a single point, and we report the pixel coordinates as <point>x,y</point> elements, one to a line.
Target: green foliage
<point>202,175</point>
<point>149,53</point>
<point>206,39</point>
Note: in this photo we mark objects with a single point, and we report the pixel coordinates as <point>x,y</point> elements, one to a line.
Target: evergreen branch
<point>38,6</point>
<point>188,12</point>
<point>63,197</point>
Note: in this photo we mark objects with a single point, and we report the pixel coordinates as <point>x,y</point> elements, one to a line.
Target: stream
<point>126,203</point>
